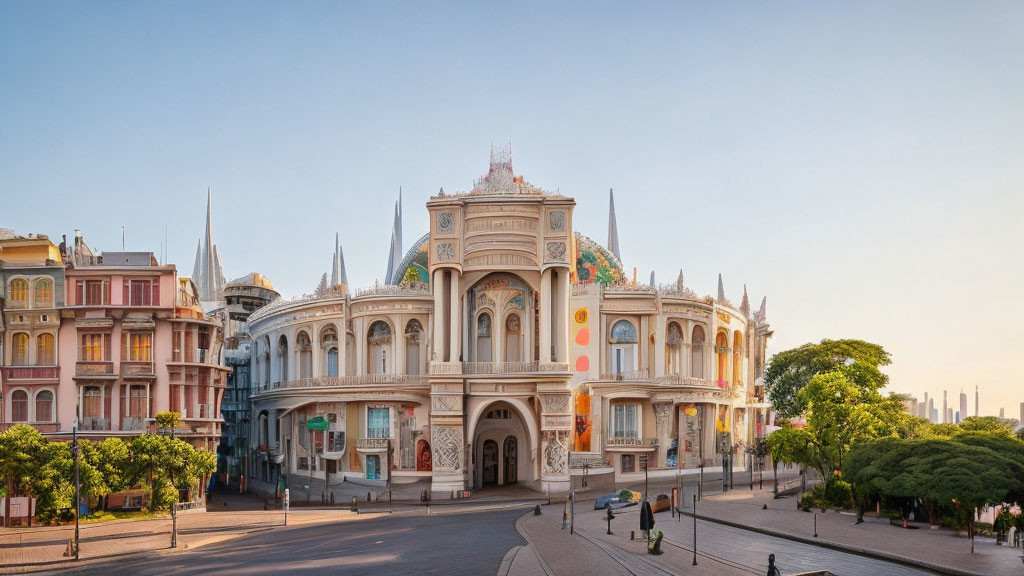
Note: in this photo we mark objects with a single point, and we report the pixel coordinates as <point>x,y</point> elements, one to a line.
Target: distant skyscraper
<point>395,254</point>
<point>949,415</point>
<point>976,401</point>
<point>957,416</point>
<point>1002,412</point>
<point>945,407</point>
<point>932,413</point>
<point>963,405</point>
<point>926,411</point>
<point>1022,412</point>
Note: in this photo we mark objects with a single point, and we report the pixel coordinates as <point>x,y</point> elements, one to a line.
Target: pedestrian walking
<point>773,570</point>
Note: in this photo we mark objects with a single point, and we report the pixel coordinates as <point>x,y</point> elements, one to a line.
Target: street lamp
<point>78,488</point>
<point>700,451</point>
<point>174,505</point>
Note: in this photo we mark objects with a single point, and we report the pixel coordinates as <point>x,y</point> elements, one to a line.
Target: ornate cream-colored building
<point>506,349</point>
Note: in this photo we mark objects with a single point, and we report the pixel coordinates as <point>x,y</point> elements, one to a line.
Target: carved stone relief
<point>556,452</point>
<point>447,448</point>
<point>556,251</point>
<point>556,220</point>
<point>444,221</point>
<point>445,252</point>
<point>555,403</point>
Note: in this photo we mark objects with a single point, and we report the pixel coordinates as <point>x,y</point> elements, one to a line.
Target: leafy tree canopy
<point>789,371</point>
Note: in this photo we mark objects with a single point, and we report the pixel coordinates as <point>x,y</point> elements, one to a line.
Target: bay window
<point>378,423</point>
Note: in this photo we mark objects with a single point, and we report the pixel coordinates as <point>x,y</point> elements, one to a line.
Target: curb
<point>913,563</point>
<point>522,532</point>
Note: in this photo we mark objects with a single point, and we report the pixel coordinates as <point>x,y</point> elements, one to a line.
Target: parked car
<point>614,501</point>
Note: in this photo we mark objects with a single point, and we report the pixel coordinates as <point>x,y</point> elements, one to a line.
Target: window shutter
<point>106,292</point>
<point>79,291</point>
<point>126,295</point>
<point>156,292</point>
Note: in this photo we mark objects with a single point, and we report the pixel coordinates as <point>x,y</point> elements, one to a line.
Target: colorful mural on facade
<point>584,423</point>
<point>594,263</point>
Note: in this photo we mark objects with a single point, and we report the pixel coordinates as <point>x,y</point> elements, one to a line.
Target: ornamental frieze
<point>445,221</point>
<point>556,220</point>
<point>556,422</point>
<point>556,452</point>
<point>556,251</point>
<point>447,449</point>
<point>451,403</point>
<point>445,252</point>
<point>555,403</point>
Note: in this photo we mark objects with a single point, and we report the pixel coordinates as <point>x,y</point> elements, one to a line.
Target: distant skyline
<point>858,164</point>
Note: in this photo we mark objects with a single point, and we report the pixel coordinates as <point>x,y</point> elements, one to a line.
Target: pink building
<point>131,341</point>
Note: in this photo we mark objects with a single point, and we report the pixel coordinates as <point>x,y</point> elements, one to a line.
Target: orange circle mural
<point>582,364</point>
<point>583,336</point>
<point>581,316</point>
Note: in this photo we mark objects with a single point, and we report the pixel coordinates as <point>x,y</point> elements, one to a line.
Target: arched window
<point>19,406</point>
<point>379,340</point>
<point>305,349</point>
<point>623,347</point>
<point>44,406</point>
<point>19,349</point>
<point>282,358</point>
<point>266,362</point>
<point>44,350</point>
<point>43,296</point>
<point>673,349</point>
<point>413,337</point>
<point>18,294</point>
<point>513,338</point>
<point>722,358</point>
<point>483,337</point>
<point>329,344</point>
<point>697,353</point>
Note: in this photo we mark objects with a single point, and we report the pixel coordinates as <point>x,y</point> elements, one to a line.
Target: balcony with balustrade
<point>30,373</point>
<point>630,444</point>
<point>358,381</point>
<point>137,370</point>
<point>95,370</point>
<point>42,427</point>
<point>373,445</point>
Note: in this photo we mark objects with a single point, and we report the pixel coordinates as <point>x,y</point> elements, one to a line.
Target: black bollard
<point>610,518</point>
<point>536,510</point>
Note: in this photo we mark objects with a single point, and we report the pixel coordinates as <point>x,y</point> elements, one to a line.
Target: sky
<point>860,164</point>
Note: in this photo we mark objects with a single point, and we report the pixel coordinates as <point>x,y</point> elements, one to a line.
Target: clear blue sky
<point>859,163</point>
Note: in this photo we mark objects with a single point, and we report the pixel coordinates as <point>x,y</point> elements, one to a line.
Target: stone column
<point>454,344</point>
<point>556,438</point>
<point>437,340</point>
<point>663,421</point>
<point>545,317</point>
<point>447,438</point>
<point>562,321</point>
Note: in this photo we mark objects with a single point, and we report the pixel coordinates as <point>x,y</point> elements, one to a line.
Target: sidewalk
<point>938,550</point>
<point>552,551</point>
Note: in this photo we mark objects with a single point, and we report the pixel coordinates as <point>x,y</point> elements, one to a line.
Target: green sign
<point>317,423</point>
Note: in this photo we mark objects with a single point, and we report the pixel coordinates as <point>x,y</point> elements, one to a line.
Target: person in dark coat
<point>772,569</point>
<point>646,517</point>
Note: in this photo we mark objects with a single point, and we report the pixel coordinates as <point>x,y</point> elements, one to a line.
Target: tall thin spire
<point>613,229</point>
<point>342,274</point>
<point>721,289</point>
<point>334,263</point>
<point>208,274</point>
<point>762,314</point>
<point>395,254</point>
<point>745,304</point>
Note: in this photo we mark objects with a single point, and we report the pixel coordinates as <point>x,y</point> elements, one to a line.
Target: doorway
<point>490,461</point>
<point>373,467</point>
<point>511,462</point>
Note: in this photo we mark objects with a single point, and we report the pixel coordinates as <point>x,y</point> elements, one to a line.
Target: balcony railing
<point>90,368</point>
<point>587,459</point>
<point>43,427</point>
<point>129,369</point>
<point>337,381</point>
<point>629,375</point>
<point>631,441</point>
<point>206,411</point>
<point>195,356</point>
<point>94,423</point>
<point>372,443</point>
<point>680,380</point>
<point>133,424</point>
<point>31,372</point>
<point>446,368</point>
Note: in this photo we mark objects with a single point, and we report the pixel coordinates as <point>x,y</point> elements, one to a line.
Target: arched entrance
<point>510,460</point>
<point>502,442</point>
<point>489,458</point>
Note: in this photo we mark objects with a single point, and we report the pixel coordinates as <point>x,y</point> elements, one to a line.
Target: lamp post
<point>700,450</point>
<point>78,492</point>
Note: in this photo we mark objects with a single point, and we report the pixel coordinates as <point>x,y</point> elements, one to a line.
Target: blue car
<point>611,501</point>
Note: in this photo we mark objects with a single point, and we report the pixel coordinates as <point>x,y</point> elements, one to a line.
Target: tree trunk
<point>775,475</point>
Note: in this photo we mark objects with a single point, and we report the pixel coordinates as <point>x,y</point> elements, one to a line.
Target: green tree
<point>168,420</point>
<point>987,424</point>
<point>411,276</point>
<point>789,371</point>
<point>970,469</point>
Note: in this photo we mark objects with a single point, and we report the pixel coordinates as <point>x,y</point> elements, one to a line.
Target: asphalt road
<point>403,545</point>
